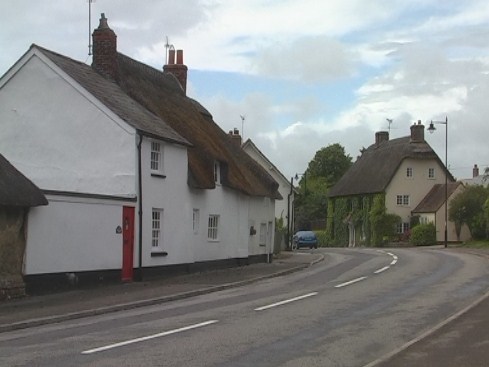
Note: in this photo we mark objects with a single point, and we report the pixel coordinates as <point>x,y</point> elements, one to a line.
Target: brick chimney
<point>417,132</point>
<point>105,50</point>
<point>236,138</point>
<point>381,136</point>
<point>178,69</point>
<point>475,171</point>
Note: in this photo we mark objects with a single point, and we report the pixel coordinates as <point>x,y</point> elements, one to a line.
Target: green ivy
<point>368,214</point>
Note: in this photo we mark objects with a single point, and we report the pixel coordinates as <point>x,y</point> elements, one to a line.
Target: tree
<point>323,171</point>
<point>468,208</point>
<point>329,162</point>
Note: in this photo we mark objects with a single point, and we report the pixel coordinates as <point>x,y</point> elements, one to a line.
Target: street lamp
<point>431,129</point>
<point>305,180</point>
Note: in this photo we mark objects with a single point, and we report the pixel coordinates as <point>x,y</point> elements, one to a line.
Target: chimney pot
<point>171,56</point>
<point>178,69</point>
<point>475,171</point>
<point>179,57</point>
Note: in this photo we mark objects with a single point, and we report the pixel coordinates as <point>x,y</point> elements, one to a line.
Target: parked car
<point>305,239</point>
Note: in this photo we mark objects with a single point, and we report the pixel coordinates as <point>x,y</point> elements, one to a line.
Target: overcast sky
<point>303,73</point>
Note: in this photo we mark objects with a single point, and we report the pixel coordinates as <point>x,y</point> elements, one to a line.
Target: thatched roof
<point>16,189</point>
<point>375,168</point>
<point>111,95</point>
<point>435,198</point>
<point>155,104</point>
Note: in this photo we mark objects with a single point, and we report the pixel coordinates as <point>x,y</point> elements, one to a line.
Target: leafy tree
<point>468,208</point>
<point>329,162</point>
<point>324,170</point>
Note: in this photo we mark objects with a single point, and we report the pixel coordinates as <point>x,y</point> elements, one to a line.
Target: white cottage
<point>138,175</point>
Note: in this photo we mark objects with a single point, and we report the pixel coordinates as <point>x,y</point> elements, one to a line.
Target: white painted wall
<point>62,138</point>
<point>74,234</point>
<point>281,210</point>
<point>171,195</point>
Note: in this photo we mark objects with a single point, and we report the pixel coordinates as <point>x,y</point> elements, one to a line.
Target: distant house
<point>476,178</point>
<point>399,173</point>
<point>432,210</point>
<point>17,195</point>
<point>284,209</point>
<point>138,176</point>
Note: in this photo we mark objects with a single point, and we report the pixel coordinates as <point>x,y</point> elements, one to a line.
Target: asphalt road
<point>349,310</point>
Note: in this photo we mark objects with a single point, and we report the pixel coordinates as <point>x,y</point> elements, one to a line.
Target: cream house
<point>401,171</point>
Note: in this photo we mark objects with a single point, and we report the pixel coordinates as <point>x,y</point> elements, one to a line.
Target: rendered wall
<point>60,138</point>
<point>74,234</point>
<point>416,187</point>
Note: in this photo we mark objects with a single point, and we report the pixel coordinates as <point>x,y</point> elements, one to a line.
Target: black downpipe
<point>139,275</point>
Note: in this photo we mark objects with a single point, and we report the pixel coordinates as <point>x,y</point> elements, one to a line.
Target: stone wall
<point>12,247</point>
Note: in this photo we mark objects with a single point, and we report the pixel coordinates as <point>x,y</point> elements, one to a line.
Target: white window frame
<point>213,227</point>
<point>402,200</point>
<point>431,173</point>
<point>409,172</point>
<point>402,227</point>
<point>156,157</point>
<point>156,229</point>
<point>196,220</point>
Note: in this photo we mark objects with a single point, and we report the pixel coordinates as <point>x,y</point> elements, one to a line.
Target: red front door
<point>127,243</point>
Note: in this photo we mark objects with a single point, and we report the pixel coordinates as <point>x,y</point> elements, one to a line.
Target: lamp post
<point>431,129</point>
<point>305,180</point>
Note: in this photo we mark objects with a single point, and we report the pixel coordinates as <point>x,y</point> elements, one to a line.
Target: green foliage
<point>383,224</point>
<point>423,235</point>
<point>324,170</point>
<point>354,209</point>
<point>322,238</point>
<point>337,230</point>
<point>329,162</point>
<point>468,207</point>
<point>314,205</point>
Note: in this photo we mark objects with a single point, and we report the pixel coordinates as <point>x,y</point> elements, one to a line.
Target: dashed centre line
<point>149,337</point>
<point>286,301</point>
<point>350,282</point>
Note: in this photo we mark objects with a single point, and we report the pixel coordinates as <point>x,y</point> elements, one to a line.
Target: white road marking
<point>149,337</point>
<point>350,282</point>
<point>286,301</point>
<point>381,270</point>
<point>393,262</point>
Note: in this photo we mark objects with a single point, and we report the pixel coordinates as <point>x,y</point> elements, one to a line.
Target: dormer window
<point>217,172</point>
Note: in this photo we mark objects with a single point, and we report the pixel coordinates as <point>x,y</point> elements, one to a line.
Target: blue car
<point>305,239</point>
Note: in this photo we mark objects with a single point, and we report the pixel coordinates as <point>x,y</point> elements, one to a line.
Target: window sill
<point>159,254</point>
<point>159,175</point>
<point>211,240</point>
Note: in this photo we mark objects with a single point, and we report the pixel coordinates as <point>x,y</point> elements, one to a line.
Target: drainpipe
<point>288,212</point>
<point>140,213</point>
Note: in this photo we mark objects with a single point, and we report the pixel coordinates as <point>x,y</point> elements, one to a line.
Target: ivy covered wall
<point>357,210</point>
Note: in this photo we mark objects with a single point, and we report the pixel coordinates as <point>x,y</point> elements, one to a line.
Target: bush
<point>423,235</point>
<point>322,238</point>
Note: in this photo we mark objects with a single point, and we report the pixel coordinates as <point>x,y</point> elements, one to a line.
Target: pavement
<point>462,340</point>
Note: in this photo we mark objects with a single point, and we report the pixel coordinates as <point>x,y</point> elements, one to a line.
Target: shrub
<point>322,238</point>
<point>423,235</point>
